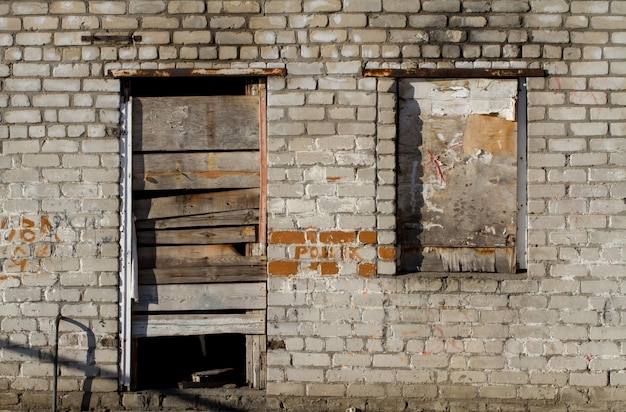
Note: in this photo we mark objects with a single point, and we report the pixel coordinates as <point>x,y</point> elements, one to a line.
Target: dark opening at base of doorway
<point>203,361</point>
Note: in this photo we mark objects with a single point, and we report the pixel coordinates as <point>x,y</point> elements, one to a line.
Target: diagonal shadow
<point>87,367</point>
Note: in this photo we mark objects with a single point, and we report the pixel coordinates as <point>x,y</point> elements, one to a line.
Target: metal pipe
<point>55,372</point>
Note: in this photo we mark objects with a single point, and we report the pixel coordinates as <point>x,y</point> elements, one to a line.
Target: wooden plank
<point>160,171</point>
<point>196,297</point>
<point>230,218</point>
<point>195,123</point>
<point>255,361</point>
<point>196,204</point>
<point>458,259</point>
<point>198,236</point>
<point>152,325</point>
<point>189,255</point>
<point>254,272</point>
<point>195,180</point>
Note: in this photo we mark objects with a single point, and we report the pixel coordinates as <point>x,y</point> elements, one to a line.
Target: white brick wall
<point>357,331</point>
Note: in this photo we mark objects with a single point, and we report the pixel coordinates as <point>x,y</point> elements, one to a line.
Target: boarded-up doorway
<point>196,164</point>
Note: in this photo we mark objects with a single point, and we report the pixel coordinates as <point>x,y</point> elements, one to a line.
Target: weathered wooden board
<point>189,255</point>
<point>442,259</point>
<point>207,170</point>
<point>195,123</point>
<point>230,218</point>
<point>457,162</point>
<point>200,297</point>
<point>254,271</point>
<point>256,348</point>
<point>152,325</point>
<point>196,204</point>
<point>198,236</point>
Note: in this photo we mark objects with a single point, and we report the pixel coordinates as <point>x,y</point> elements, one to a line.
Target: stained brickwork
<point>352,331</point>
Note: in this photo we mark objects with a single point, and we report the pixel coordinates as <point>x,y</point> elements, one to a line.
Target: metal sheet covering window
<point>457,175</point>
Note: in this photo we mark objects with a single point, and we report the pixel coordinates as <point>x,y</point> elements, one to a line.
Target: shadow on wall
<point>88,367</point>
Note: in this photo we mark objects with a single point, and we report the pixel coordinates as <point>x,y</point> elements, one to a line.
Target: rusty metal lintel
<point>118,73</point>
<point>455,73</point>
<point>111,38</point>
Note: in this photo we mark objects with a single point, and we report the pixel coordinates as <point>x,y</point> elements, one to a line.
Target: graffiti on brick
<point>25,242</point>
<point>327,252</point>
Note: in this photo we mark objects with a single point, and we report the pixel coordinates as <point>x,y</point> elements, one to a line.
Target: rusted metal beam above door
<point>117,73</point>
<point>455,73</point>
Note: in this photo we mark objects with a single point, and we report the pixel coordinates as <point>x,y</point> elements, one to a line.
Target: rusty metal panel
<point>457,161</point>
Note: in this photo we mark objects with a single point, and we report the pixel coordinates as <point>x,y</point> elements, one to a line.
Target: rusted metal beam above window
<point>196,72</point>
<point>455,73</point>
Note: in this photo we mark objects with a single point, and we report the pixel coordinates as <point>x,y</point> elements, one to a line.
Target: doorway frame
<point>127,287</point>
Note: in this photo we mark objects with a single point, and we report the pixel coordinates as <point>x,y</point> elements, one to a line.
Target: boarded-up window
<point>457,175</point>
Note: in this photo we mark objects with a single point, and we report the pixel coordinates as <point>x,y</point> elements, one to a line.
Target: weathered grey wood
<point>207,170</point>
<point>196,204</point>
<point>197,297</point>
<point>195,123</point>
<point>230,218</point>
<point>190,255</point>
<point>460,259</point>
<point>255,360</point>
<point>255,271</point>
<point>151,325</point>
<point>198,236</point>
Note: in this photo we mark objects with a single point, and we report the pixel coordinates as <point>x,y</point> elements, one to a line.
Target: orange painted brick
<point>337,236</point>
<point>286,237</point>
<point>310,236</point>
<point>367,236</point>
<point>366,269</point>
<point>329,268</point>
<point>282,268</point>
<point>387,252</point>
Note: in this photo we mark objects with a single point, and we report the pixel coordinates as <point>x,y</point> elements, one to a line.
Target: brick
<point>337,237</point>
<point>282,268</point>
<point>322,6</point>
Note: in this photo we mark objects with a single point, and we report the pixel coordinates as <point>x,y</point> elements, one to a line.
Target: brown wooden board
<point>196,204</point>
<point>152,325</point>
<point>190,255</point>
<point>254,271</point>
<point>207,170</point>
<point>198,236</point>
<point>230,218</point>
<point>201,297</point>
<point>457,180</point>
<point>195,123</point>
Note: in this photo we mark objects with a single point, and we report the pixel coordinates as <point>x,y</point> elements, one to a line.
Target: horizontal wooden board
<point>230,218</point>
<point>191,255</point>
<point>195,180</point>
<point>199,297</point>
<point>255,271</point>
<point>198,236</point>
<point>177,123</point>
<point>152,325</point>
<point>207,170</point>
<point>458,259</point>
<point>196,204</point>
